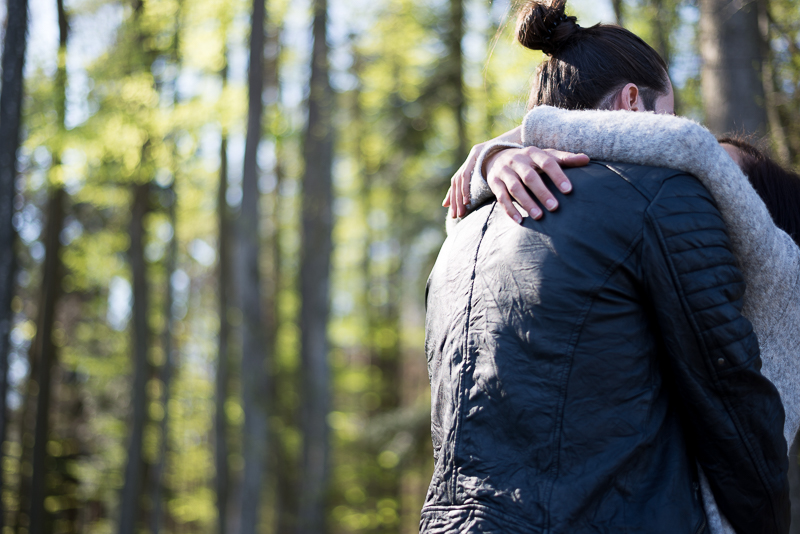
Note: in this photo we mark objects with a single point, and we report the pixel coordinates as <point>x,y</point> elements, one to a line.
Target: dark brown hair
<point>587,67</point>
<point>779,188</point>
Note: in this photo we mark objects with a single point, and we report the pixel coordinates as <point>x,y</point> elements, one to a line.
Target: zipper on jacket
<point>465,364</point>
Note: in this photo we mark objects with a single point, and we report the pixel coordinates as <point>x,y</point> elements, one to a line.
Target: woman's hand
<point>513,172</point>
<point>508,170</point>
<point>457,196</point>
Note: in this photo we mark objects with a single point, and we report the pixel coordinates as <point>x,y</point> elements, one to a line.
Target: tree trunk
<point>617,5</point>
<point>280,465</point>
<point>662,28</point>
<point>315,255</point>
<point>458,100</point>
<point>168,367</point>
<point>44,350</point>
<point>731,79</point>
<point>10,117</point>
<point>157,480</point>
<point>772,92</point>
<point>222,379</point>
<point>132,488</point>
<point>223,287</point>
<point>254,357</point>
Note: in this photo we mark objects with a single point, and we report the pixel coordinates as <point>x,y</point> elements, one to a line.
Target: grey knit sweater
<point>768,257</point>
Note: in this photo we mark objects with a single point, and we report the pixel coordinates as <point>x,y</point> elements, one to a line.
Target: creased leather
<point>769,259</point>
<point>574,368</point>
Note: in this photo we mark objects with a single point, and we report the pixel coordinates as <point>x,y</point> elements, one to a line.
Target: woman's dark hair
<point>778,188</point>
<point>587,67</point>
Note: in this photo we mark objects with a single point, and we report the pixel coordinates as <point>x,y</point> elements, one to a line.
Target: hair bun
<point>545,26</point>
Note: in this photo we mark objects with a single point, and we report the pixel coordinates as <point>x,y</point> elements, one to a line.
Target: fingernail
<point>551,204</point>
<point>566,187</point>
<point>536,214</point>
<point>518,219</point>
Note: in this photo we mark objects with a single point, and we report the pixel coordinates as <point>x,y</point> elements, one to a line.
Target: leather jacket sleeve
<point>733,415</point>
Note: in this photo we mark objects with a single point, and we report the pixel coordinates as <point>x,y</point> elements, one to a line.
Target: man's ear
<point>629,98</point>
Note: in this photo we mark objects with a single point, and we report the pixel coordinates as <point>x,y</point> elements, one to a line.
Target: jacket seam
<point>715,305</point>
<point>573,344</point>
<point>708,268</point>
<point>711,329</point>
<point>701,232</point>
<point>621,174</point>
<point>732,285</point>
<point>706,353</point>
<point>693,249</point>
<point>466,359</point>
<point>689,212</point>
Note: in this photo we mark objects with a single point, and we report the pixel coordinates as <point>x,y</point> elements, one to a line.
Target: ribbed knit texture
<point>768,257</point>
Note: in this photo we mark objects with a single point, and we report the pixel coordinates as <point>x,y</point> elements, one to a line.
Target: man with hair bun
<point>583,366</point>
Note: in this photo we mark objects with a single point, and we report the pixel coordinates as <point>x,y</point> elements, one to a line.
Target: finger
<point>508,206</point>
<point>552,168</point>
<point>575,160</point>
<point>466,178</point>
<point>459,202</point>
<point>464,175</point>
<point>446,201</point>
<point>568,159</point>
<point>453,202</point>
<point>536,185</point>
<point>514,184</point>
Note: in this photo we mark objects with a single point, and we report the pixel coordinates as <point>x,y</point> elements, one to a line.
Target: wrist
<point>490,153</point>
<point>491,157</point>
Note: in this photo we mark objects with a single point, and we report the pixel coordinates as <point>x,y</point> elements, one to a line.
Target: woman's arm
<point>527,163</point>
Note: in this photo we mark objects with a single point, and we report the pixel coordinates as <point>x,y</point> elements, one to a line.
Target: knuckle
<point>515,188</point>
<point>531,178</point>
<point>550,164</point>
<point>540,190</point>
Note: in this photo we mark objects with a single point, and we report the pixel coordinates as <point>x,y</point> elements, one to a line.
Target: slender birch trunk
<point>134,469</point>
<point>317,223</point>
<point>254,357</point>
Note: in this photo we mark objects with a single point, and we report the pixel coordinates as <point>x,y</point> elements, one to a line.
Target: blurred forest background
<point>216,222</point>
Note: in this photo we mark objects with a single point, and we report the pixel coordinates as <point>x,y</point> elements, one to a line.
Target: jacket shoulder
<point>648,180</point>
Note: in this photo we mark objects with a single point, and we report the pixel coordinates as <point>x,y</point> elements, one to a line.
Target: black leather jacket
<point>581,367</point>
